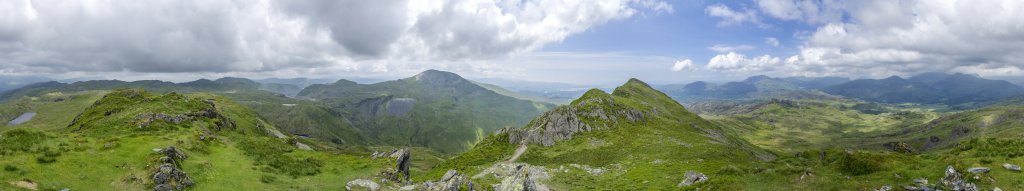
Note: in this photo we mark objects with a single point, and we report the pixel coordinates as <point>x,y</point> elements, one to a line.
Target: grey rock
<point>1012,167</point>
<point>167,168</point>
<point>953,180</point>
<point>692,177</point>
<point>362,184</point>
<point>520,180</point>
<point>402,163</point>
<point>978,170</point>
<point>161,178</point>
<point>163,187</point>
<point>449,175</point>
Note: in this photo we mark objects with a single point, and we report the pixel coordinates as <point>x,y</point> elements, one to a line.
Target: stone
<point>362,184</point>
<point>955,181</point>
<point>978,170</point>
<point>884,188</point>
<point>161,178</point>
<point>921,181</point>
<point>402,163</point>
<point>163,187</point>
<point>692,177</point>
<point>520,180</point>
<point>167,168</point>
<point>1012,167</point>
<point>449,175</point>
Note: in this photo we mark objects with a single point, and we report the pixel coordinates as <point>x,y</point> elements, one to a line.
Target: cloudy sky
<point>576,41</point>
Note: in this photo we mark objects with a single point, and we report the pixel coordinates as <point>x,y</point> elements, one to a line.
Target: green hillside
<point>112,144</point>
<point>641,137</point>
<point>434,109</point>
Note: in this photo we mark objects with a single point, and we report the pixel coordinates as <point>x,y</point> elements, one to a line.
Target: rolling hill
<point>435,109</point>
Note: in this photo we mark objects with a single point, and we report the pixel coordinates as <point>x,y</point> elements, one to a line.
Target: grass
<point>110,151</point>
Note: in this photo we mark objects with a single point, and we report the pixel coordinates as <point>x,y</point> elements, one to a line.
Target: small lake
<point>24,117</point>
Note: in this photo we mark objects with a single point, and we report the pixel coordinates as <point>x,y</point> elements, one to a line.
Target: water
<point>22,119</point>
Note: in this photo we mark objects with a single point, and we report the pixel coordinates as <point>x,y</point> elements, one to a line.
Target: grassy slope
<point>814,124</point>
<point>112,153</point>
<point>629,149</point>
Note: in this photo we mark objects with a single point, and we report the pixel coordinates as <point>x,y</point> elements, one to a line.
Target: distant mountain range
<point>959,90</point>
<point>928,88</point>
<point>751,88</point>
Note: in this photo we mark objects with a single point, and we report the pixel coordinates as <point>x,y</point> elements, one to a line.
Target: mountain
<point>131,139</point>
<point>435,109</point>
<point>754,87</point>
<point>605,141</point>
<point>928,88</point>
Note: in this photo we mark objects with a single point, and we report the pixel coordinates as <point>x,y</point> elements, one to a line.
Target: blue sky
<point>588,42</point>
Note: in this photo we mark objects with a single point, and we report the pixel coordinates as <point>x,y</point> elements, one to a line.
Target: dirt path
<point>519,152</point>
<point>515,156</point>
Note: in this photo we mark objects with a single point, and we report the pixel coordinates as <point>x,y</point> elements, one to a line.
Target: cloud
<point>722,48</point>
<point>810,11</point>
<point>772,41</point>
<point>883,38</point>
<point>305,36</point>
<point>683,65</point>
<point>733,17</point>
<point>734,62</point>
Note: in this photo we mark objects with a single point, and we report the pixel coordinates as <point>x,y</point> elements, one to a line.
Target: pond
<point>22,119</point>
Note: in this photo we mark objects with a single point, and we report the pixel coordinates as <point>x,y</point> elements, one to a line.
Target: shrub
<point>10,168</point>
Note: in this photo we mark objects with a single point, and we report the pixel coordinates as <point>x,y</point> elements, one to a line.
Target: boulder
<point>978,170</point>
<point>953,180</point>
<point>1012,167</point>
<point>692,177</point>
<point>362,184</point>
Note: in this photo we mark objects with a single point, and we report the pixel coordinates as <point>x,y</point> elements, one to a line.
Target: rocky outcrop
<point>222,122</point>
<point>692,177</point>
<point>402,161</point>
<point>564,122</point>
<point>520,180</point>
<point>451,181</point>
<point>168,176</point>
<point>953,180</point>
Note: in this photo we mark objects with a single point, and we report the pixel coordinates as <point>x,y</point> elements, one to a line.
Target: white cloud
<point>811,11</point>
<point>683,65</point>
<point>734,62</point>
<point>882,38</point>
<point>314,36</point>
<point>772,41</point>
<point>722,48</point>
<point>733,17</point>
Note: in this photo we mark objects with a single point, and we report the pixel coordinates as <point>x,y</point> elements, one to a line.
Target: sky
<point>594,42</point>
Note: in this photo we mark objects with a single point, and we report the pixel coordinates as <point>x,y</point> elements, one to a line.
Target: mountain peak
<point>893,77</point>
<point>637,81</point>
<point>437,76</point>
<point>757,78</point>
